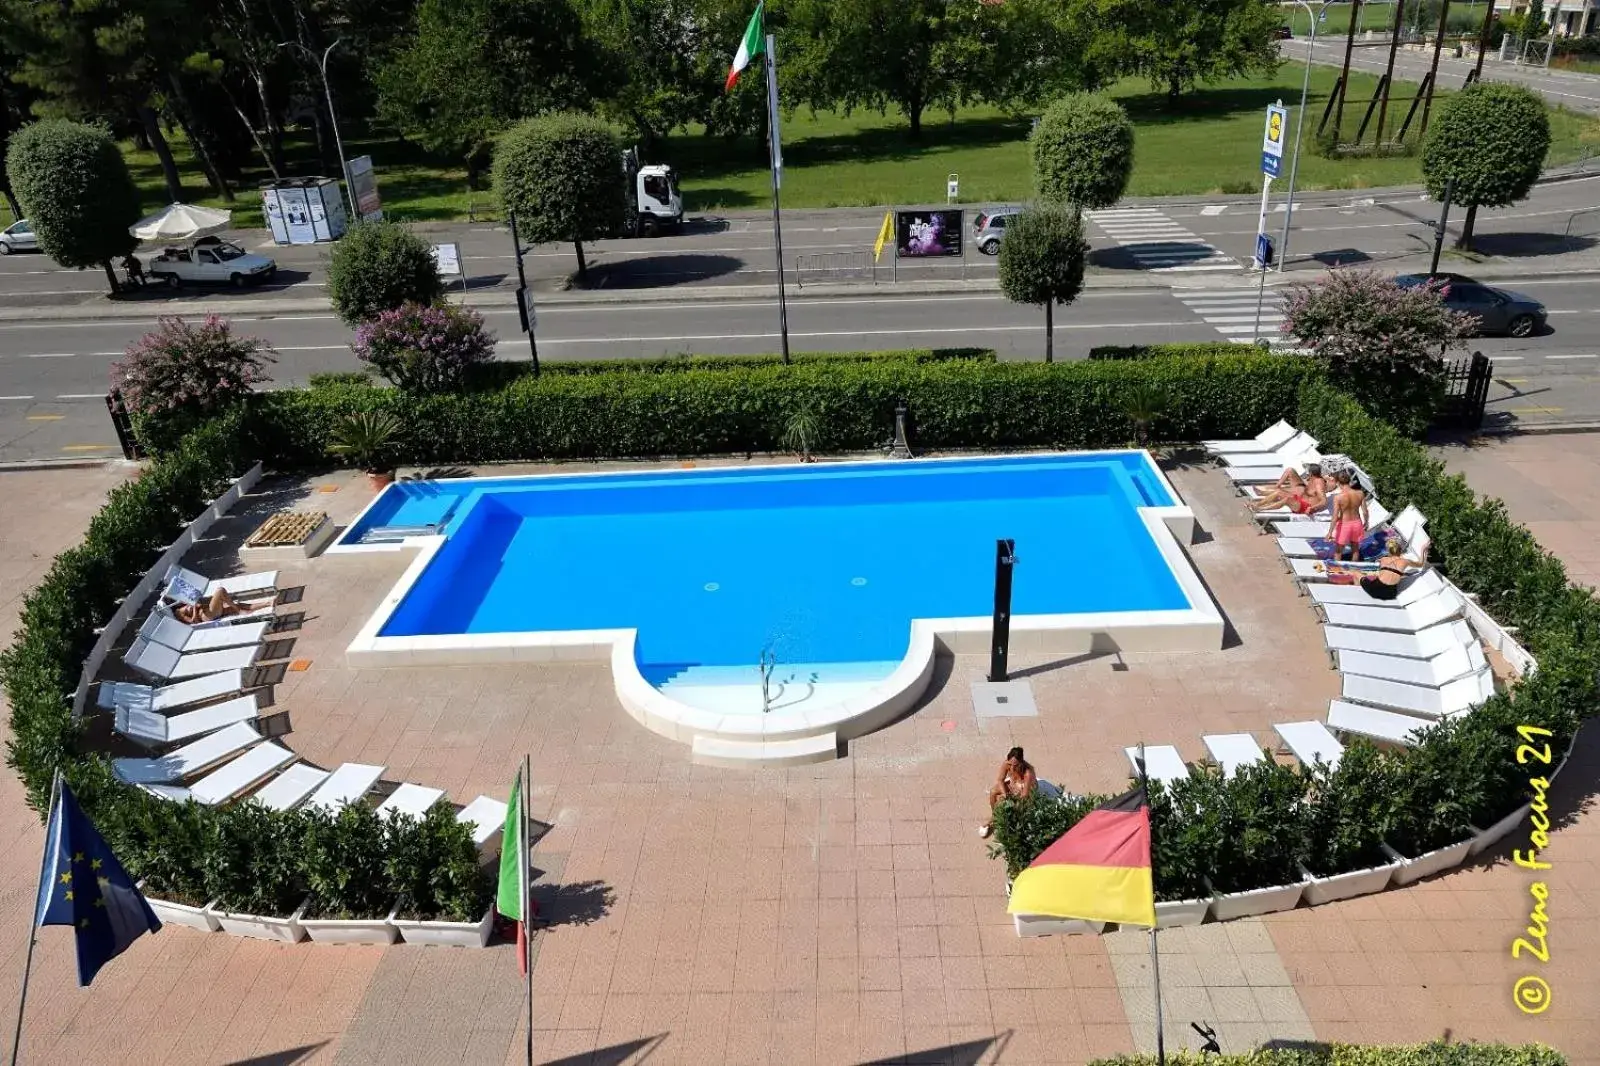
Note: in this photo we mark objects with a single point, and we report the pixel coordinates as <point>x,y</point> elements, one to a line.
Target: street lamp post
<point>1299,127</point>
<point>327,92</point>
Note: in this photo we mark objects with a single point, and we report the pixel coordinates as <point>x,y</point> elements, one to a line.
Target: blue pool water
<point>814,564</point>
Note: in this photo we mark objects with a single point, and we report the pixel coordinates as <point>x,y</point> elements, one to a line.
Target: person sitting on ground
<point>1348,523</point>
<point>1383,581</point>
<point>220,605</point>
<point>1016,781</point>
<point>1305,498</point>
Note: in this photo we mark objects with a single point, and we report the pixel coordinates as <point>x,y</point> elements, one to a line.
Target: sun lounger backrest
<point>155,659</point>
<point>1408,523</point>
<point>1431,610</point>
<point>1421,585</point>
<point>1277,434</point>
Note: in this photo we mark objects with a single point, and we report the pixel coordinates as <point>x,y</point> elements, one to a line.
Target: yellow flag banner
<point>885,235</point>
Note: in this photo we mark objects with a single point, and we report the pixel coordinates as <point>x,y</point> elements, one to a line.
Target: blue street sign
<point>1271,165</point>
<point>1263,249</point>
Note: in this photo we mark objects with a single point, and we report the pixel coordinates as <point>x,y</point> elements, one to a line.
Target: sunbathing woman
<point>220,605</point>
<point>1349,520</point>
<point>1306,497</point>
<point>1016,781</point>
<point>1383,581</point>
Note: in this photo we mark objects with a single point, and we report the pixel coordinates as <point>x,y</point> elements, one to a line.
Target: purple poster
<point>919,234</point>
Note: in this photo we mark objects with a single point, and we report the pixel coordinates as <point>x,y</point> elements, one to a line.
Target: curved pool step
<point>719,751</point>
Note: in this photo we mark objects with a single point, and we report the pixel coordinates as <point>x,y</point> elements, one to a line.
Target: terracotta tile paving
<point>838,913</point>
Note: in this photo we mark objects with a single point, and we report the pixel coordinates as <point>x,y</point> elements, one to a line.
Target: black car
<point>1497,310</point>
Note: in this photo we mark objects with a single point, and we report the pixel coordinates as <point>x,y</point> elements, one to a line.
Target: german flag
<point>1098,871</point>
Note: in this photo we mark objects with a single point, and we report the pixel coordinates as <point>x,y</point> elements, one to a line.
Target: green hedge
<point>250,856</point>
<point>1463,773</point>
<point>502,372</point>
<point>1434,1054</point>
<point>1171,351</point>
<point>954,404</point>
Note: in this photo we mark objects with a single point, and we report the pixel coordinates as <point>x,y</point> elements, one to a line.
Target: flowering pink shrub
<point>424,348</point>
<point>182,366</point>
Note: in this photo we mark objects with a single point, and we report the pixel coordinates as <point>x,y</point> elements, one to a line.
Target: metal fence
<point>1466,393</point>
<point>122,423</point>
<point>833,266</point>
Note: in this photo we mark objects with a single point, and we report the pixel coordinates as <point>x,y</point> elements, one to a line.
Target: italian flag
<point>514,871</point>
<point>752,46</point>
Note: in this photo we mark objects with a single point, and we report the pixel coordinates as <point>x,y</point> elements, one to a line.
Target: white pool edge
<point>1197,628</point>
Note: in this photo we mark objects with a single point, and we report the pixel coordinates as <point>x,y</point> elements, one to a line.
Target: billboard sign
<point>364,189</point>
<point>1272,140</point>
<point>925,234</point>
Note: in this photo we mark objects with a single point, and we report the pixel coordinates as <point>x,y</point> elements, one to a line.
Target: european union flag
<point>83,885</point>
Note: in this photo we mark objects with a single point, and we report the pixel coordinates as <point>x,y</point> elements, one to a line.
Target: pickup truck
<point>209,261</point>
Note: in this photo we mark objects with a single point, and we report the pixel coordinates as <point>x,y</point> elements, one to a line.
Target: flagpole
<point>1155,956</point>
<point>33,929</point>
<point>776,154</point>
<point>527,914</point>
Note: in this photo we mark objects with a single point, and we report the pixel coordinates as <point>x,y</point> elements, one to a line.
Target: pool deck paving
<point>839,913</point>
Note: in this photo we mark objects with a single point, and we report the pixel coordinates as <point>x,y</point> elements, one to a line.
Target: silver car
<point>991,227</point>
<point>18,237</point>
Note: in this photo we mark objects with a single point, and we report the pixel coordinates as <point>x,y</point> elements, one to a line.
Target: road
<point>53,374</point>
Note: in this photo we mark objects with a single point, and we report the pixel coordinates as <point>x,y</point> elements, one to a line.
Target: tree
<point>183,367</point>
<point>1082,152</point>
<point>652,51</point>
<point>561,175</point>
<point>379,266</point>
<point>1383,342</point>
<point>476,66</point>
<point>1491,139</point>
<point>74,187</point>
<point>424,348</point>
<point>1042,260</point>
<point>1177,45</point>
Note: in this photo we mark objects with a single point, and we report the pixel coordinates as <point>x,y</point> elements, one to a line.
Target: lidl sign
<point>1272,140</point>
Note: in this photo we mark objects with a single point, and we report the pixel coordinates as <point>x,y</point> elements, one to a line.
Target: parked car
<point>1284,32</point>
<point>990,227</point>
<point>1497,310</point>
<point>209,260</point>
<point>18,237</point>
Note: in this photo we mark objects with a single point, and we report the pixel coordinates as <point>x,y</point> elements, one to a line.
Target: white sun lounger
<point>162,627</point>
<point>486,816</point>
<point>345,785</point>
<point>158,660</point>
<point>1454,697</point>
<point>154,728</point>
<point>285,791</point>
<point>1436,672</point>
<point>1315,570</point>
<point>128,695</point>
<point>1377,517</point>
<point>1414,587</point>
<point>1310,742</point>
<point>241,774</point>
<point>1284,454</point>
<point>1423,644</point>
<point>1442,606</point>
<point>1409,525</point>
<point>1162,763</point>
<point>188,760</point>
<point>1268,471</point>
<point>187,586</point>
<point>1370,722</point>
<point>1269,439</point>
<point>1233,750</point>
<point>410,799</point>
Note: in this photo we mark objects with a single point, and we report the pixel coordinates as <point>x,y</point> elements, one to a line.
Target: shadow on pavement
<point>1341,257</point>
<point>1518,245</point>
<point>286,1057</point>
<point>648,272</point>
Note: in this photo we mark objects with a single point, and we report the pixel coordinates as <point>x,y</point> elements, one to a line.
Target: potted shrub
<point>166,844</point>
<point>1261,838</point>
<point>1348,814</point>
<point>1438,783</point>
<point>253,871</point>
<point>351,899</point>
<point>368,439</point>
<point>445,894</point>
<point>1143,403</point>
<point>1023,829</point>
<point>1181,845</point>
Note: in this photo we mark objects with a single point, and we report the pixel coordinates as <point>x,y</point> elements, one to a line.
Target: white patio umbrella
<point>180,222</point>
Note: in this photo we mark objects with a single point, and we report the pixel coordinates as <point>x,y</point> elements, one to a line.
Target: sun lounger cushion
<point>410,799</point>
<point>290,787</point>
<point>1425,644</point>
<point>1311,742</point>
<point>1274,436</point>
<point>1162,763</point>
<point>188,760</point>
<point>162,627</point>
<point>158,660</point>
<point>1233,750</point>
<point>487,817</point>
<point>132,696</point>
<point>161,729</point>
<point>1371,722</point>
<point>238,776</point>
<point>347,784</point>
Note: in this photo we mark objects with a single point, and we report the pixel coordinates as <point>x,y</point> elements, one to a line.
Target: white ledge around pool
<point>864,708</point>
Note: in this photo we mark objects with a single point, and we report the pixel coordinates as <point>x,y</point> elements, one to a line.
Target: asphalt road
<point>53,375</point>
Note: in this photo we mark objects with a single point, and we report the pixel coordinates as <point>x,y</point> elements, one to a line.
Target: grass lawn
<point>1209,144</point>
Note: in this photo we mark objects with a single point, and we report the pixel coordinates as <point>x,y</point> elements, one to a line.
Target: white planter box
<point>448,934</point>
<point>1427,865</point>
<point>1042,925</point>
<point>285,930</point>
<point>352,930</point>
<point>1488,838</point>
<point>1229,905</point>
<point>1348,885</point>
<point>199,918</point>
<point>1181,912</point>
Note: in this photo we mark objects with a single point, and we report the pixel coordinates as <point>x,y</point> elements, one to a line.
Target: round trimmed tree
<point>1491,139</point>
<point>1082,151</point>
<point>379,266</point>
<point>1042,260</point>
<point>74,188</point>
<point>561,175</point>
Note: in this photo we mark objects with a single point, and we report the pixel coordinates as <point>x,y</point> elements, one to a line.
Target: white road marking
<point>16,397</point>
<point>80,396</point>
<point>1572,357</point>
<point>1213,209</point>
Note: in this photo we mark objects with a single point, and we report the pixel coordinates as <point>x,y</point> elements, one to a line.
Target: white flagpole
<point>527,912</point>
<point>775,149</point>
<point>33,927</point>
<point>1155,957</point>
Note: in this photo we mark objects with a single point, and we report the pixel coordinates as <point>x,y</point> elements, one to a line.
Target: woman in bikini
<point>1016,781</point>
<point>220,605</point>
<point>1382,582</point>
<point>1349,520</point>
<point>1305,496</point>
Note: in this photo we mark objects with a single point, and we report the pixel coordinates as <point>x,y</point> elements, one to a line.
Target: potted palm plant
<point>801,431</point>
<point>368,439</point>
<point>1143,403</point>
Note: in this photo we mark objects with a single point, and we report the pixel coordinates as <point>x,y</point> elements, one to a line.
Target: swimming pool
<point>766,598</point>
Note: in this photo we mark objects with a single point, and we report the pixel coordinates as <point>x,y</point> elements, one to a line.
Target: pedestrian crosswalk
<point>1232,312</point>
<point>1157,243</point>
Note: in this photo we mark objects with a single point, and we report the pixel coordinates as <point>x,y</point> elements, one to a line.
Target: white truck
<point>209,260</point>
<point>655,204</point>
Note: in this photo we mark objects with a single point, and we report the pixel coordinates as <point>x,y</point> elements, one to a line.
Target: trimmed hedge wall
<point>1463,773</point>
<point>954,404</point>
<point>1435,1054</point>
<point>502,372</point>
<point>1170,351</point>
